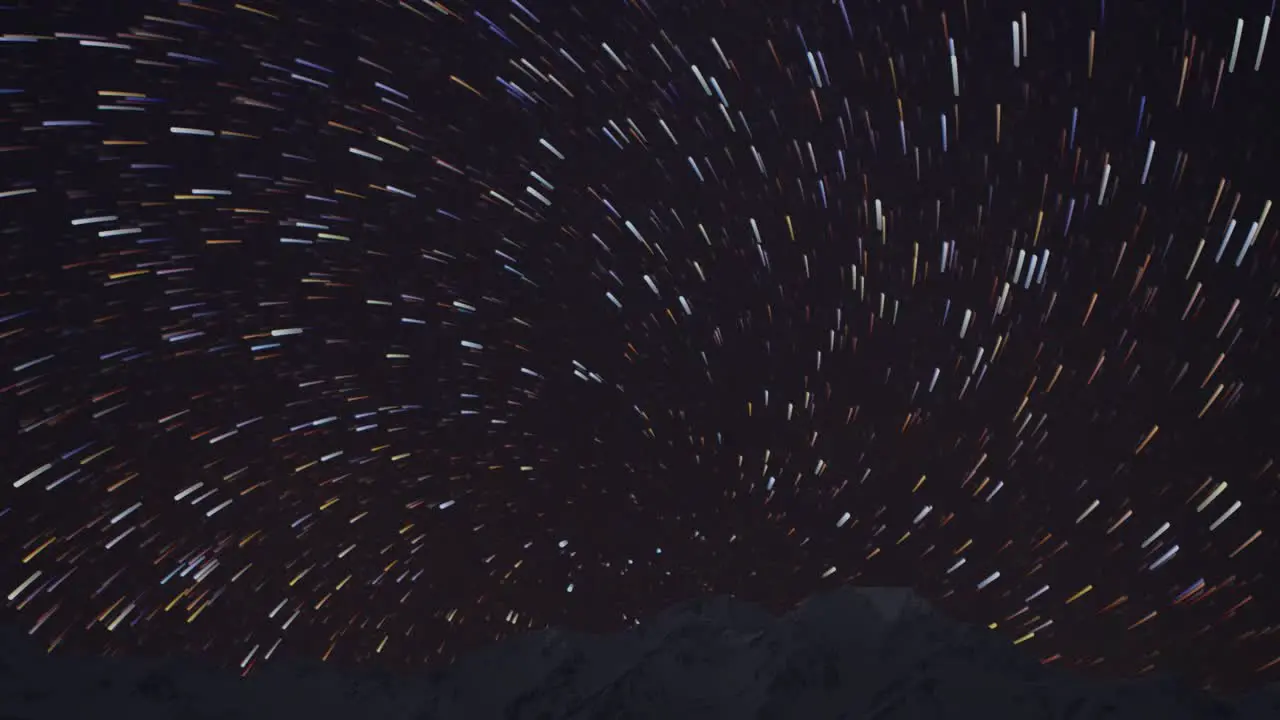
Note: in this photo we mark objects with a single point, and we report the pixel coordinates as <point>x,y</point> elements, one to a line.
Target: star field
<point>375,331</point>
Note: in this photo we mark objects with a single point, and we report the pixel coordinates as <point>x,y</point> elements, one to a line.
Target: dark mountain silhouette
<point>865,653</point>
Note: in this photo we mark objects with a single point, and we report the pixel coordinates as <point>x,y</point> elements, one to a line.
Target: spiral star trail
<point>376,331</point>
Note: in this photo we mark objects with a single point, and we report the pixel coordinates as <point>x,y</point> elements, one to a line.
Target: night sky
<point>375,331</point>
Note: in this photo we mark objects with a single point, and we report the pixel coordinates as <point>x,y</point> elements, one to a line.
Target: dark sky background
<point>376,331</point>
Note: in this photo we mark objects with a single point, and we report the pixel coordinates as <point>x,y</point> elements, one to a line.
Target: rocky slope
<point>868,653</point>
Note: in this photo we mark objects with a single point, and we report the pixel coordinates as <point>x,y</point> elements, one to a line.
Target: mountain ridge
<point>882,653</point>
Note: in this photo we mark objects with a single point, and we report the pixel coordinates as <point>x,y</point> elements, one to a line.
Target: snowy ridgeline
<point>854,653</point>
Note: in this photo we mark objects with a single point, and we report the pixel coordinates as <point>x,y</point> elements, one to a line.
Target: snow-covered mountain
<point>865,653</point>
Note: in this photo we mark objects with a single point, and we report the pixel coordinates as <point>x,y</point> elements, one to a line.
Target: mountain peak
<point>870,652</point>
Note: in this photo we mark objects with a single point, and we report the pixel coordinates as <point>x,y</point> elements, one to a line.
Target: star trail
<point>376,331</point>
